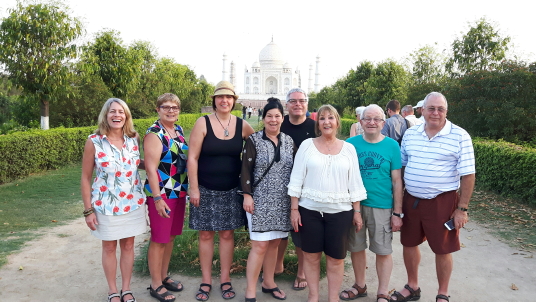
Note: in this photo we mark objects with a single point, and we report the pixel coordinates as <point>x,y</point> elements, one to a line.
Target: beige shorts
<point>378,223</point>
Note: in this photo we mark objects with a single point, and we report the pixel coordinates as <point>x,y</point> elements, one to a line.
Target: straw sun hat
<point>225,88</point>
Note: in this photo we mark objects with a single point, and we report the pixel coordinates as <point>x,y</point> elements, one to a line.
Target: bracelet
<point>88,211</point>
<point>357,211</point>
<point>462,209</point>
<point>294,209</point>
<point>157,198</point>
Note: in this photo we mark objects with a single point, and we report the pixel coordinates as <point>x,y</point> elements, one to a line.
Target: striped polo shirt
<point>434,166</point>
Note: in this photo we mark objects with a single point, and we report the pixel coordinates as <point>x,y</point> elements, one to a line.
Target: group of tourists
<point>293,176</point>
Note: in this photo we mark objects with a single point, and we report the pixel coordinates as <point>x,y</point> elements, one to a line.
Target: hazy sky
<point>342,33</point>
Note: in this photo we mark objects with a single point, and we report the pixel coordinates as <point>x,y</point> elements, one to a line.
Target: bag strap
<point>277,149</point>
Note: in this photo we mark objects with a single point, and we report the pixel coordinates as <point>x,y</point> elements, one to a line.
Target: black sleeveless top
<point>219,163</point>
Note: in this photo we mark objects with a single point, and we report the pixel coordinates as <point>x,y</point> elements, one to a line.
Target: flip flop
<point>299,280</point>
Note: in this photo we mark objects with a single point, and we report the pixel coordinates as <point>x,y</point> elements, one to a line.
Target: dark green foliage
<point>506,168</point>
<point>24,153</point>
<point>495,104</point>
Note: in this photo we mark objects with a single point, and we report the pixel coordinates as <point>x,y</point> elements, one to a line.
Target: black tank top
<point>219,163</point>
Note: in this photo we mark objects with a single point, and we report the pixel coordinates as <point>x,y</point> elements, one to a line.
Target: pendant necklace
<point>170,133</point>
<point>225,130</point>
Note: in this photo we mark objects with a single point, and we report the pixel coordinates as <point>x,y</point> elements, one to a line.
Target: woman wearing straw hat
<point>213,169</point>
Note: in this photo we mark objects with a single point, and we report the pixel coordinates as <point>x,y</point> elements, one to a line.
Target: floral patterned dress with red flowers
<point>172,184</point>
<point>117,188</point>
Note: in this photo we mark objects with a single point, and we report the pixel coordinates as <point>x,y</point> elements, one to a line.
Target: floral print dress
<point>117,188</point>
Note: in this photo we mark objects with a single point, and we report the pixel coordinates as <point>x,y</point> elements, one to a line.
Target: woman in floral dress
<point>114,199</point>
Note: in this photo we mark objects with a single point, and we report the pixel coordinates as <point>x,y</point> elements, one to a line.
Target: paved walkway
<point>64,265</point>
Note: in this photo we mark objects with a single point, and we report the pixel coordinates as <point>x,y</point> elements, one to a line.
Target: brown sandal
<point>382,296</point>
<point>361,292</point>
<point>414,295</point>
<point>299,280</point>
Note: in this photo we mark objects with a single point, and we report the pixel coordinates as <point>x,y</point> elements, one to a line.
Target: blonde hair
<point>168,97</point>
<point>330,109</point>
<point>104,128</point>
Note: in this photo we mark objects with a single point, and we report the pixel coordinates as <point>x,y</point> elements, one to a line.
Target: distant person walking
<point>244,112</point>
<point>407,113</point>
<point>250,110</point>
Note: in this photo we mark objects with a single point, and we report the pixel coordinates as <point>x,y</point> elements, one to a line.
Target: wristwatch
<point>462,209</point>
<point>401,215</point>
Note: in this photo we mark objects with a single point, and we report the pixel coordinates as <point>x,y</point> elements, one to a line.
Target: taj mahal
<point>270,76</point>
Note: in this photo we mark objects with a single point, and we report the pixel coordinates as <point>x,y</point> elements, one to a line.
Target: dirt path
<point>64,265</point>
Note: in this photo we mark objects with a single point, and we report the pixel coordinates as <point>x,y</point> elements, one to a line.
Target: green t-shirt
<point>376,161</point>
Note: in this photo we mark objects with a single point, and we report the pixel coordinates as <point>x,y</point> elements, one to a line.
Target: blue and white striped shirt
<point>434,166</point>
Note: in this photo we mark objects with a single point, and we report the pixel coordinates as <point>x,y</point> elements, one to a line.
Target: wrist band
<point>88,212</point>
<point>357,211</point>
<point>157,198</point>
<point>462,209</point>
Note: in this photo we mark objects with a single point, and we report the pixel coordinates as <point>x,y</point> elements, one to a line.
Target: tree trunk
<point>44,115</point>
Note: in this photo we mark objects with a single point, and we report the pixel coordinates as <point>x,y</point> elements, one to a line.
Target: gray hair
<point>359,110</point>
<point>372,106</point>
<point>291,91</point>
<point>434,94</point>
<point>407,109</point>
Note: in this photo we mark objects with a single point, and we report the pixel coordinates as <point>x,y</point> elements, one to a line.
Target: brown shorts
<point>426,222</point>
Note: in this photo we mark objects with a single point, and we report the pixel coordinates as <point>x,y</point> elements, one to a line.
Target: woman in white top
<point>356,128</point>
<point>325,189</point>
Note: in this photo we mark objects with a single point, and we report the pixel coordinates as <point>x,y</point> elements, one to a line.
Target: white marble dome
<point>271,54</point>
<point>256,64</point>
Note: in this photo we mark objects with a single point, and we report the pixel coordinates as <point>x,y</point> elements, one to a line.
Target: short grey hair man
<point>291,91</point>
<point>407,113</point>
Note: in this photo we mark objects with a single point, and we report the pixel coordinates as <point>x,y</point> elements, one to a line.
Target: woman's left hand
<point>358,221</point>
<point>248,204</point>
<point>295,219</point>
<point>161,207</point>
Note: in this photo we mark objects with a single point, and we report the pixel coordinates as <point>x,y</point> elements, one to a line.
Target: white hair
<point>434,94</point>
<point>372,106</point>
<point>359,110</point>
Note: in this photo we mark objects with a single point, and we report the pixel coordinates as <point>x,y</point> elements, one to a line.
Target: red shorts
<point>163,228</point>
<point>426,222</point>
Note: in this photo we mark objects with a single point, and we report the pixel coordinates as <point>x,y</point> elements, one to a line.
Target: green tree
<point>118,66</point>
<point>36,44</point>
<point>427,65</point>
<point>481,48</point>
<point>389,81</point>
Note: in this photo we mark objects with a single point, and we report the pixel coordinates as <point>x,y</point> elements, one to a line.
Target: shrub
<point>505,168</point>
<point>345,126</point>
<point>24,153</point>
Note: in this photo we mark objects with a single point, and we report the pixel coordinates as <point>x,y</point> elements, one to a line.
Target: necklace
<point>225,130</point>
<point>114,140</point>
<point>170,133</point>
<point>328,145</point>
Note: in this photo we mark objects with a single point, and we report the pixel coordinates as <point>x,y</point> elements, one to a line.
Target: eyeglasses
<point>369,119</point>
<point>170,108</point>
<point>295,101</point>
<point>439,109</point>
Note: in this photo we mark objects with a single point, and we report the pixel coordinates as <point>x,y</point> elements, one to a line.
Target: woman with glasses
<point>214,169</point>
<point>166,186</point>
<point>325,190</point>
<point>114,198</point>
<point>356,128</point>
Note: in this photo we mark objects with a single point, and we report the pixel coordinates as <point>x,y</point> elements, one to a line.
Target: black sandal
<point>442,297</point>
<point>127,292</point>
<point>203,292</point>
<point>272,290</point>
<point>172,286</point>
<point>414,294</point>
<point>160,297</point>
<point>251,299</point>
<point>114,295</point>
<point>224,292</point>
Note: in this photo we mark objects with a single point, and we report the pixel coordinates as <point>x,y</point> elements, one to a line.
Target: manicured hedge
<point>345,127</point>
<point>506,168</point>
<point>23,153</point>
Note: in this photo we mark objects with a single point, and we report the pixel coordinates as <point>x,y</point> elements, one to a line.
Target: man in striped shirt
<point>437,160</point>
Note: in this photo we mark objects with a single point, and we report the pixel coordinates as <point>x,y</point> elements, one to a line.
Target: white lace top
<point>326,183</point>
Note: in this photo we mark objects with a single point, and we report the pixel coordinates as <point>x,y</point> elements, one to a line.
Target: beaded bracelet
<point>89,212</point>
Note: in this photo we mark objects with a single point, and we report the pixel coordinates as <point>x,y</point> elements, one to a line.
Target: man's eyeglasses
<point>170,108</point>
<point>369,119</point>
<point>295,101</point>
<point>439,109</point>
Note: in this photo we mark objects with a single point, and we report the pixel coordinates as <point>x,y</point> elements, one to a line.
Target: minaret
<point>232,77</point>
<point>310,85</point>
<point>317,75</point>
<point>224,70</point>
